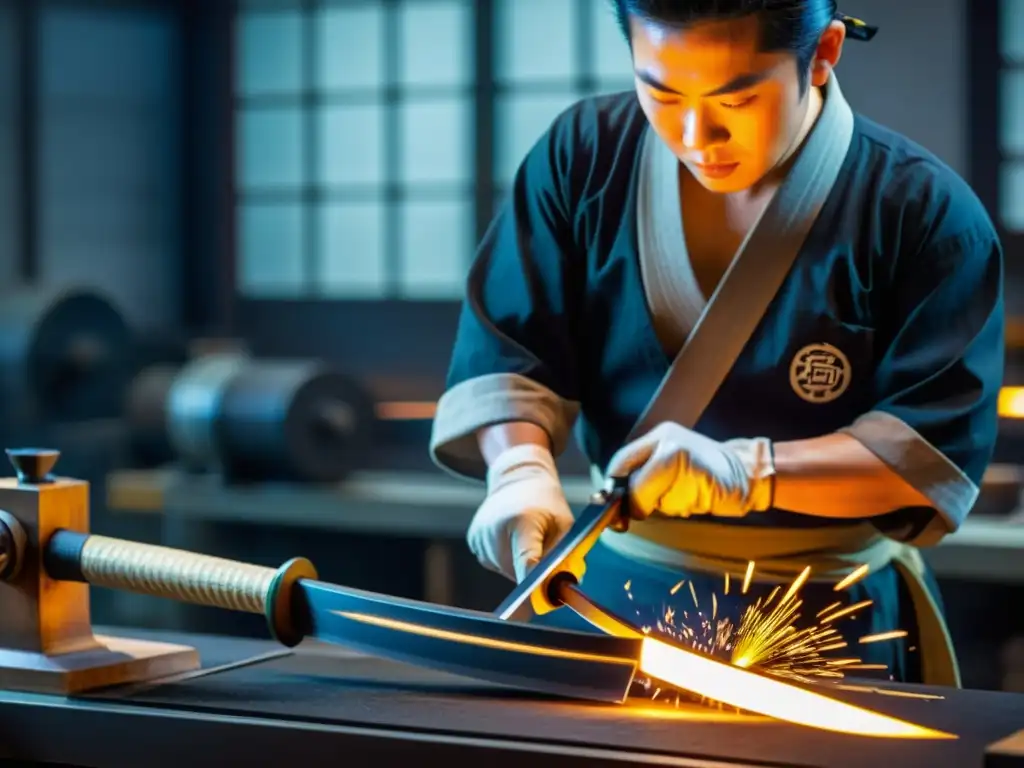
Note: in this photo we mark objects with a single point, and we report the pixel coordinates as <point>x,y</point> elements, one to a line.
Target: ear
<point>830,49</point>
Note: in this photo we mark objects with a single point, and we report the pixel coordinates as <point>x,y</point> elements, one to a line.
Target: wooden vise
<point>47,643</point>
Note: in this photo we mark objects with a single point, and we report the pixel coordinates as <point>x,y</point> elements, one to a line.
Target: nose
<point>700,129</point>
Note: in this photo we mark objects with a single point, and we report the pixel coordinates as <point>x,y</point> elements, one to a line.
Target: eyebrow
<point>740,83</point>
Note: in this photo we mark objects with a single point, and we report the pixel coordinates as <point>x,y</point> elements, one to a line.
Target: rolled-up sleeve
<point>934,421</point>
<point>515,355</point>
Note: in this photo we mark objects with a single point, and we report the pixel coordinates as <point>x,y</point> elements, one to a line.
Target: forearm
<point>478,418</point>
<point>836,476</point>
<point>497,438</point>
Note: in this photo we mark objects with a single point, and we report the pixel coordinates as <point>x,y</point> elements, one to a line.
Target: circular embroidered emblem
<point>819,373</point>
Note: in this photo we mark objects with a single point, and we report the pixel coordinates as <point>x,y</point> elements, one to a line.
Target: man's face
<point>728,110</point>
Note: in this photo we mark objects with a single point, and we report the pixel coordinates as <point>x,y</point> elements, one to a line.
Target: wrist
<point>498,438</point>
<point>526,459</point>
<point>757,457</point>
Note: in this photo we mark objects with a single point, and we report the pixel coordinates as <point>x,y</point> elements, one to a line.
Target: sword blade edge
<point>475,645</point>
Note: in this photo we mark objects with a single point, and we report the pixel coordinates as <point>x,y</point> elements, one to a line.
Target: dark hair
<point>786,25</point>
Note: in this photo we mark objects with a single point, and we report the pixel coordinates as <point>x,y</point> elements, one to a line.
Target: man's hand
<point>525,512</point>
<point>677,472</point>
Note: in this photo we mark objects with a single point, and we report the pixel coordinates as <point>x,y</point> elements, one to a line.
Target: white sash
<point>726,322</point>
<point>756,272</point>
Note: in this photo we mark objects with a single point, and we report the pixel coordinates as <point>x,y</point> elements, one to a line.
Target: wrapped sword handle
<point>188,577</point>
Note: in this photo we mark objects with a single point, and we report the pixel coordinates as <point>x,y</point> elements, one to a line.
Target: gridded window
<point>1011,123</point>
<point>355,148</point>
<point>356,132</point>
<point>547,56</point>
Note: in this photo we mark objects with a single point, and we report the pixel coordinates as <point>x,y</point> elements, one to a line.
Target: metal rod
<point>605,510</point>
<point>572,597</point>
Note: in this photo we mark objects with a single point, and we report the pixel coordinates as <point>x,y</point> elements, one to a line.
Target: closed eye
<point>663,98</point>
<point>740,103</point>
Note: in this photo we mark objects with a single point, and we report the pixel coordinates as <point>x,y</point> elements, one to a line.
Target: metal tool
<point>532,595</point>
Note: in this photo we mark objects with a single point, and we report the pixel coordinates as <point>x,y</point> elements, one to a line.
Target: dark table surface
<point>317,700</point>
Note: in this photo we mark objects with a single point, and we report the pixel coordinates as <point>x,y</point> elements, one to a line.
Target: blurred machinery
<point>251,420</point>
<point>65,357</point>
<point>76,376</point>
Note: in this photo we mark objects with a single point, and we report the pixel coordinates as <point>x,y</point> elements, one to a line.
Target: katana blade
<point>596,666</point>
<point>474,644</point>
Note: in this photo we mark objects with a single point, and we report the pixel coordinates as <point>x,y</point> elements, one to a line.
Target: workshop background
<point>234,236</point>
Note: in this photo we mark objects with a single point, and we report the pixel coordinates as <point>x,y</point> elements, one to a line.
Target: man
<point>857,411</point>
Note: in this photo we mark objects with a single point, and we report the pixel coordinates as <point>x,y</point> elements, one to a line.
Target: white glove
<point>524,515</point>
<point>676,472</point>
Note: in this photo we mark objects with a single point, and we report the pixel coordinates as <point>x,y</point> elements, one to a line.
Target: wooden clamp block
<point>46,640</point>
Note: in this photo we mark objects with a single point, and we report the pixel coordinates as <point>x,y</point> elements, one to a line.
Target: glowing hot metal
<point>737,687</point>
